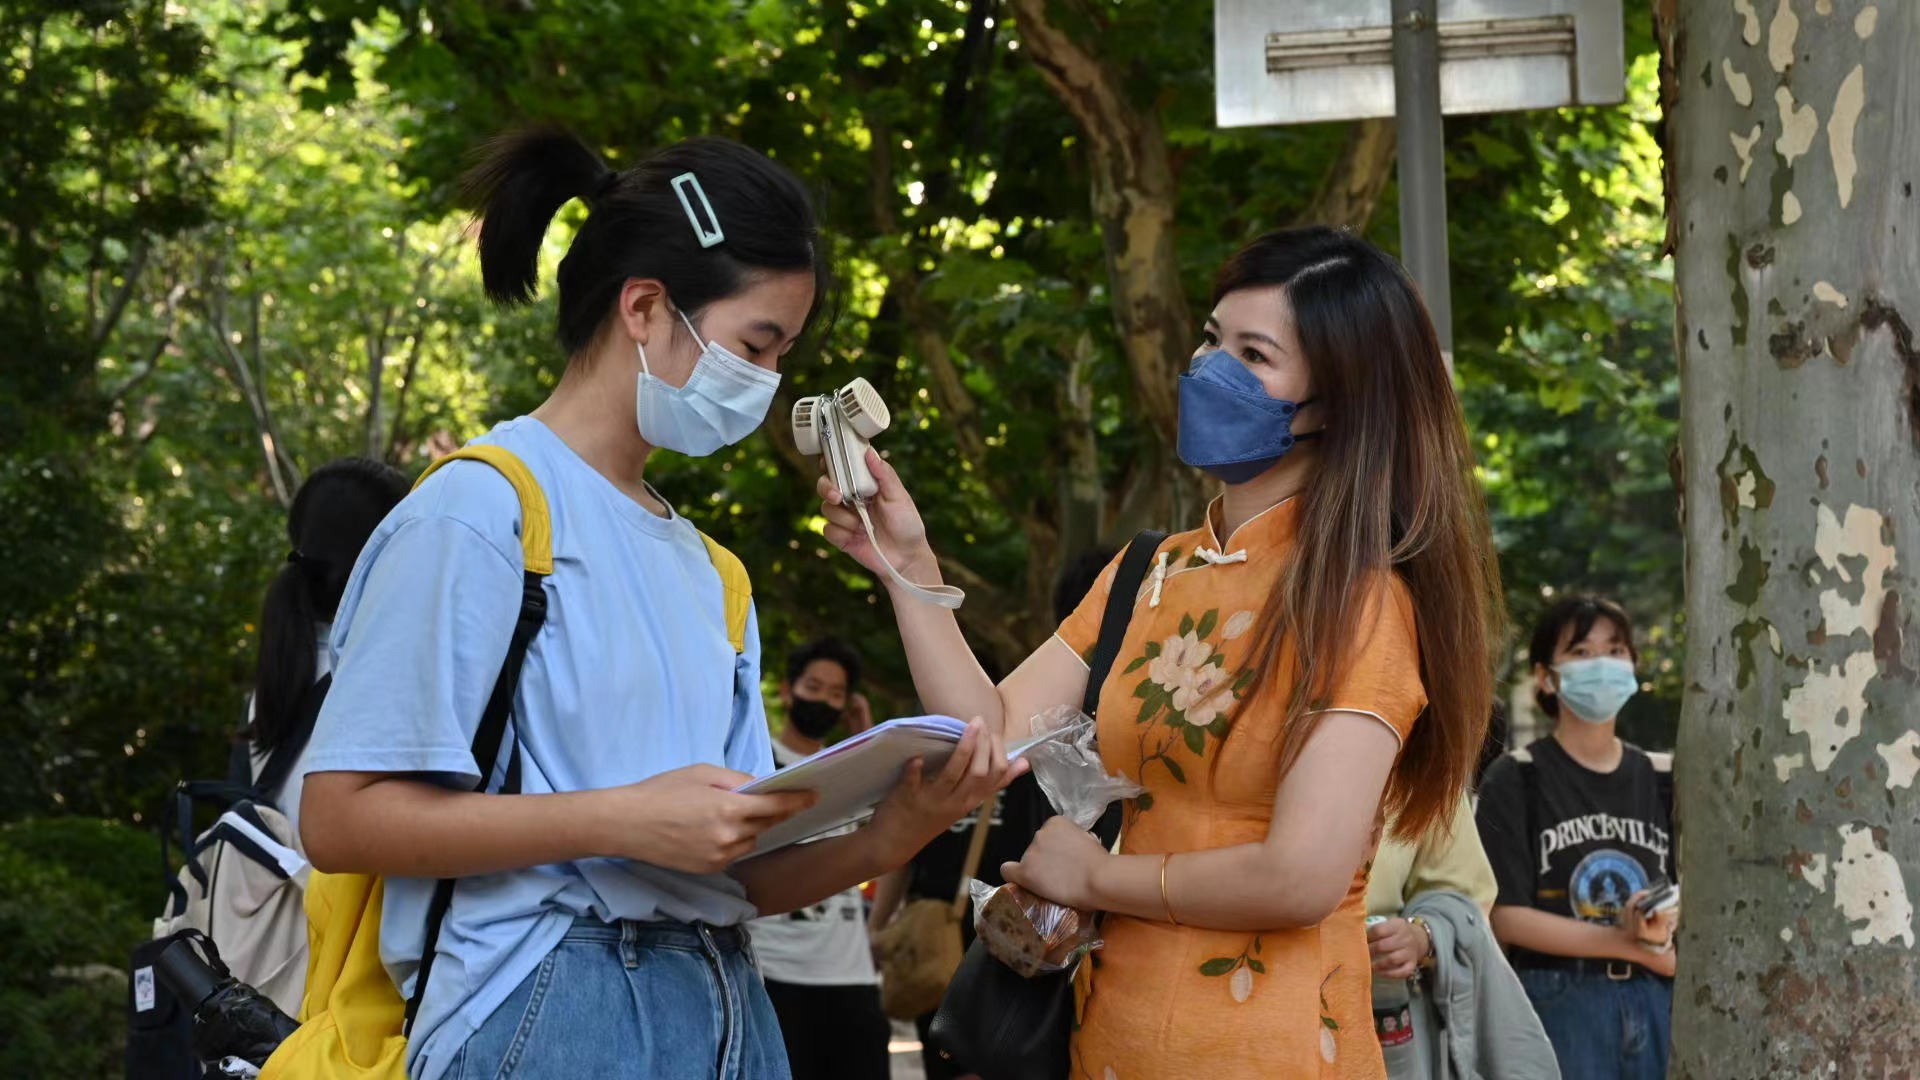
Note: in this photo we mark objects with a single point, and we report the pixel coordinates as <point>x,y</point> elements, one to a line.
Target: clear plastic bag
<point>1069,769</point>
<point>1027,933</point>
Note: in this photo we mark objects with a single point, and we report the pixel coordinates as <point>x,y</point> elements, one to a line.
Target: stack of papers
<point>853,776</point>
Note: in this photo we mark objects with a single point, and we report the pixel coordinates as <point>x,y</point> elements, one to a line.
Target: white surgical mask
<point>722,402</point>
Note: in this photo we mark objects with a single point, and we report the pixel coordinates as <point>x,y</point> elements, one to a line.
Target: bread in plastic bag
<point>1028,933</point>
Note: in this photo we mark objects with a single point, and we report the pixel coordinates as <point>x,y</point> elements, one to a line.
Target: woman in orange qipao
<point>1314,655</point>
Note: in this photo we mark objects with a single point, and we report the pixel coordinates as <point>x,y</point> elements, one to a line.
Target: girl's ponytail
<point>333,514</point>
<point>753,217</point>
<point>517,183</point>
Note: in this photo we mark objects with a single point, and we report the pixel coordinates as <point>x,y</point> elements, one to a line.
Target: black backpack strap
<point>176,822</point>
<point>486,753</point>
<point>1121,599</point>
<point>240,757</point>
<point>240,760</point>
<point>273,775</point>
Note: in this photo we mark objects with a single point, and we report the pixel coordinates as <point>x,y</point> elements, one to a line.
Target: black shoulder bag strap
<point>1121,599</point>
<point>993,1021</point>
<point>486,753</point>
<point>273,775</point>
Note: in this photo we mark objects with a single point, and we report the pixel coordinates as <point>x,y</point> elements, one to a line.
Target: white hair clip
<point>707,237</point>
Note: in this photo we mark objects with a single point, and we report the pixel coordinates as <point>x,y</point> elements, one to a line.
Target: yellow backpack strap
<point>536,525</point>
<point>736,590</point>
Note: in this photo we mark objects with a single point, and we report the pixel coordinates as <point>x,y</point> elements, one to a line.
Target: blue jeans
<point>633,1000</point>
<point>1602,1029</point>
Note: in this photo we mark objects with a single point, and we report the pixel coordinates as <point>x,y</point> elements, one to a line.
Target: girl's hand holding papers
<point>921,806</point>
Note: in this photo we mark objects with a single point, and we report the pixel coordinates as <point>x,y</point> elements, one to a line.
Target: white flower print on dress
<point>1179,656</point>
<point>1203,696</point>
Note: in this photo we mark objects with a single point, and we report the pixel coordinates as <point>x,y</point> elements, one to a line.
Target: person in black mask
<point>817,966</point>
<point>821,690</point>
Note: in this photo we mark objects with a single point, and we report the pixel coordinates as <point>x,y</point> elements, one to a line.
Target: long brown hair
<point>1393,490</point>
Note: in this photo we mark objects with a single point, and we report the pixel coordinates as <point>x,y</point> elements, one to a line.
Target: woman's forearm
<point>1244,887</point>
<point>379,824</point>
<point>947,677</point>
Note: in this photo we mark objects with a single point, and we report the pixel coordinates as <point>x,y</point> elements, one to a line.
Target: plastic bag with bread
<point>1027,933</point>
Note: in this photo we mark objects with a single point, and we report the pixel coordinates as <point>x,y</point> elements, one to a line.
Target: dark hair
<point>1076,581</point>
<point>1580,613</point>
<point>826,648</point>
<point>333,513</point>
<point>636,225</point>
<point>1393,495</point>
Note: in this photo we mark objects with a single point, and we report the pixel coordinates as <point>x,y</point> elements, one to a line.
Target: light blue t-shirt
<point>632,675</point>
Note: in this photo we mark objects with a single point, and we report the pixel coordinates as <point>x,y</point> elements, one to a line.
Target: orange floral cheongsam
<point>1178,1001</point>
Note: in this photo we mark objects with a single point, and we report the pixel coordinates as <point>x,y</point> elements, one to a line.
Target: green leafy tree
<point>1015,289</point>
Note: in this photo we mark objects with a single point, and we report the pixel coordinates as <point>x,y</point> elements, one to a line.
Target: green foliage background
<point>232,255</point>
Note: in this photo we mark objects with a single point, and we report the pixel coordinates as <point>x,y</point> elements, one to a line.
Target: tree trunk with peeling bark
<point>1795,135</point>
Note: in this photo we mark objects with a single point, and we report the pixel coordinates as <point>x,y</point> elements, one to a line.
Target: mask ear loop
<point>946,596</point>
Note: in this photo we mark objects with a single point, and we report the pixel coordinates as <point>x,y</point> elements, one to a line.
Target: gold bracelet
<point>1165,899</point>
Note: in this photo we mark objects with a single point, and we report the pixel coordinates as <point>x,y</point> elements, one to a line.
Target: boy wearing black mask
<point>818,968</point>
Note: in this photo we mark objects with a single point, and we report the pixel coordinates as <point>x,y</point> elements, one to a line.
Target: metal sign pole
<point>1423,177</point>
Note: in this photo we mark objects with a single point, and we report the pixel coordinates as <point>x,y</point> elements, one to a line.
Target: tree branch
<point>990,613</point>
<point>1351,188</point>
<point>401,393</point>
<point>256,345</point>
<point>1134,198</point>
<point>136,266</point>
<point>221,334</point>
<point>117,399</point>
<point>145,371</point>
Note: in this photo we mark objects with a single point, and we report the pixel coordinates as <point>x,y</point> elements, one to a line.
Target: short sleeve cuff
<point>455,765</point>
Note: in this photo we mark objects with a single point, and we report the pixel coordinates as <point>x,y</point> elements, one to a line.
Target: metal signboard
<point>1303,61</point>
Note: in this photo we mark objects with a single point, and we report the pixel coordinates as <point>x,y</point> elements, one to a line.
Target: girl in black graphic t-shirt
<point>1578,826</point>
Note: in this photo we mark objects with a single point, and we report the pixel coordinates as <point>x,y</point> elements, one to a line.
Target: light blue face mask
<point>1596,690</point>
<point>723,401</point>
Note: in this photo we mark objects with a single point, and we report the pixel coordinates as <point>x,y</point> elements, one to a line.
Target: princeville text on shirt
<point>1598,827</point>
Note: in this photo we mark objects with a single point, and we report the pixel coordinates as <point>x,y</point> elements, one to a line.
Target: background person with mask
<point>1577,827</point>
<point>818,969</point>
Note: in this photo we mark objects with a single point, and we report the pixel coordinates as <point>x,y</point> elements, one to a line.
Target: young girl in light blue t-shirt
<point>596,929</point>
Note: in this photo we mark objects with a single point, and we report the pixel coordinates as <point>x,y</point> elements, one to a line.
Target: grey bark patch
<point>1876,314</point>
<point>1889,641</point>
<point>1739,297</point>
<point>1752,577</point>
<point>1791,346</point>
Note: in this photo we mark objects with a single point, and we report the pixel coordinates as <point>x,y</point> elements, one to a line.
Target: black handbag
<point>992,1021</point>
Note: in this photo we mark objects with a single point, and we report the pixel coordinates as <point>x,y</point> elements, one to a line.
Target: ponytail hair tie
<point>606,185</point>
